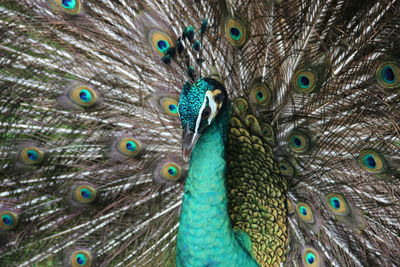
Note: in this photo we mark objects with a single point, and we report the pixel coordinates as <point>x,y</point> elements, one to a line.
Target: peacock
<point>199,133</point>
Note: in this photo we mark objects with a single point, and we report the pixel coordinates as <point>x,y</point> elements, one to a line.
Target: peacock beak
<point>189,140</point>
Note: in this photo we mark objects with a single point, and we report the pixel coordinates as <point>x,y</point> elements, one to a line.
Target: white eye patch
<point>213,106</point>
<point>208,98</point>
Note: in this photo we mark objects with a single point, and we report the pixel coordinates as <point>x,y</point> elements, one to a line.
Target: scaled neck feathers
<point>205,235</point>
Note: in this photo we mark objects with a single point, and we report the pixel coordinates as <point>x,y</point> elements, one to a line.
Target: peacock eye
<point>310,257</point>
<point>261,94</point>
<point>83,96</point>
<point>304,212</point>
<point>206,112</point>
<point>85,194</point>
<point>305,81</point>
<point>160,41</point>
<point>8,220</point>
<point>236,32</point>
<point>170,106</point>
<point>129,146</point>
<point>69,4</point>
<point>337,204</point>
<point>171,171</point>
<point>31,155</point>
<point>299,142</point>
<point>81,258</point>
<point>372,161</point>
<point>71,7</point>
<point>388,74</point>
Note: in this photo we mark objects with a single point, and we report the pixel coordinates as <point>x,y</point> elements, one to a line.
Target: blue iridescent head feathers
<point>199,103</point>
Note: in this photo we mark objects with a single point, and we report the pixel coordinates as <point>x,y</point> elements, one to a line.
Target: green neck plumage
<point>205,234</point>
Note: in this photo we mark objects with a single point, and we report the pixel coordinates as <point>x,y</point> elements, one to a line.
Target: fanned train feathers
<point>91,165</point>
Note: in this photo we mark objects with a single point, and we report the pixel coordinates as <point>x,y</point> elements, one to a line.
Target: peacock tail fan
<point>91,164</point>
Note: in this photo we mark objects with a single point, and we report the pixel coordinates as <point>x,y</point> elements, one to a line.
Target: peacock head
<point>199,106</point>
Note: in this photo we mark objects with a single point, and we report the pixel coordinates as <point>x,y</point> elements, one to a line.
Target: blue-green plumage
<point>206,237</point>
<point>305,174</point>
<point>191,101</point>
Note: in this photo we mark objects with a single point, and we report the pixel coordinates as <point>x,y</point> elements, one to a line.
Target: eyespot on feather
<point>304,212</point>
<point>169,106</point>
<point>171,171</point>
<point>310,258</point>
<point>31,155</point>
<point>337,204</point>
<point>305,81</point>
<point>84,194</point>
<point>81,258</point>
<point>160,41</point>
<point>236,32</point>
<point>388,74</point>
<point>71,7</point>
<point>371,161</point>
<point>83,96</point>
<point>299,141</point>
<point>261,94</point>
<point>129,146</point>
<point>8,220</point>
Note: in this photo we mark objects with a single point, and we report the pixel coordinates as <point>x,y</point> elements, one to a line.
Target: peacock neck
<point>207,164</point>
<point>205,236</point>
